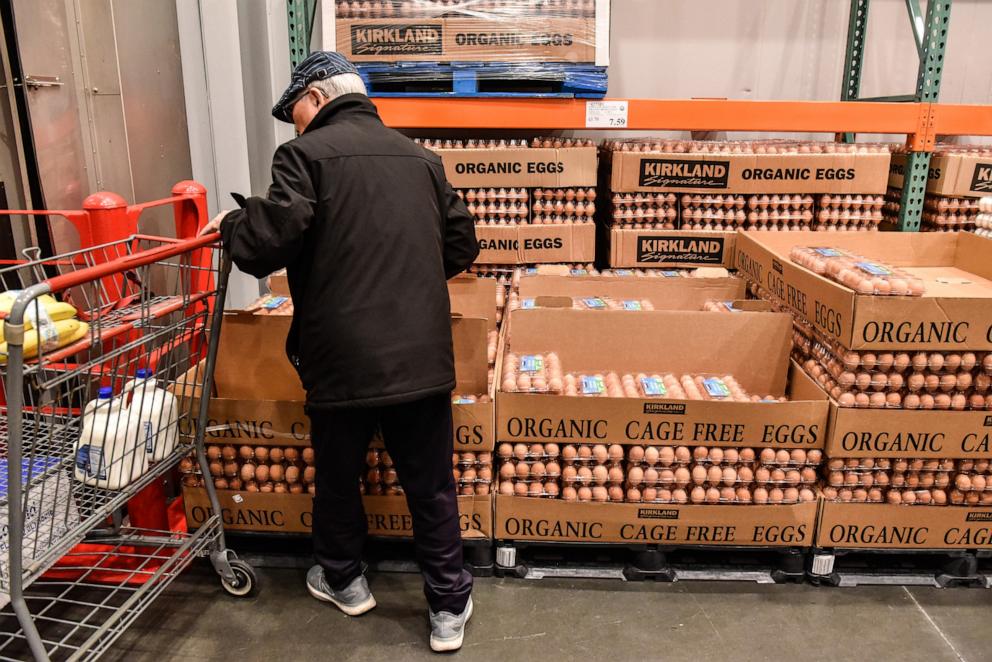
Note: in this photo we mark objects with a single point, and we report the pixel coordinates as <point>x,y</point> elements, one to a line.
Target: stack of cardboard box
<point>257,419</point>
<point>895,477</point>
<point>515,192</point>
<point>959,175</point>
<point>751,346</point>
<point>679,203</point>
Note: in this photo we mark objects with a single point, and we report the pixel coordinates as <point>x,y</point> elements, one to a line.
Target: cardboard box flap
<point>953,313</point>
<point>753,347</point>
<point>472,296</point>
<point>530,244</point>
<point>469,337</point>
<point>261,375</point>
<point>663,293</point>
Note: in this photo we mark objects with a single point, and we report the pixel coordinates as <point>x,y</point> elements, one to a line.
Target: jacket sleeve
<point>460,245</point>
<point>268,234</point>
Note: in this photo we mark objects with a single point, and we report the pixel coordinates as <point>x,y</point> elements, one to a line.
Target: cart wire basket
<point>107,358</point>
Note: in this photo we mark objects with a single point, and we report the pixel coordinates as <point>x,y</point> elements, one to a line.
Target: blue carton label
<point>716,388</point>
<point>874,269</point>
<point>274,302</point>
<point>531,363</point>
<point>729,305</point>
<point>828,252</point>
<point>652,386</point>
<point>632,305</point>
<point>593,385</point>
<point>527,304</point>
<point>579,272</point>
<point>623,272</point>
<point>668,273</point>
<point>594,303</point>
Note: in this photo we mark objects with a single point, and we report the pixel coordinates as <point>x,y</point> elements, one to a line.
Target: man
<point>369,231</point>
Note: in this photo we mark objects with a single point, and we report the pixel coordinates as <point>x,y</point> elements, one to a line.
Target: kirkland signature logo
<point>660,250</point>
<point>674,408</point>
<point>979,516</point>
<point>680,173</point>
<point>982,181</point>
<point>657,513</point>
<point>385,39</point>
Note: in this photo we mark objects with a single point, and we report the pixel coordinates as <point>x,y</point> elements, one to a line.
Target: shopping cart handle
<point>150,256</point>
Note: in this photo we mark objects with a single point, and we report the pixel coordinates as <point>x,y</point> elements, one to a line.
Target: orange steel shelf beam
<point>659,114</point>
<point>961,120</point>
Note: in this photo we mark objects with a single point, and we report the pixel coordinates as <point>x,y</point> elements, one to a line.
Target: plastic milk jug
<point>157,414</point>
<point>109,453</point>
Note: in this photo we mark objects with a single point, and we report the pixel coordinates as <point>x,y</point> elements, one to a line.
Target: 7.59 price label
<point>606,114</point>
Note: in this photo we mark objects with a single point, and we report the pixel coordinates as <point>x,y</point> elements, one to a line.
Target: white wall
<point>785,49</point>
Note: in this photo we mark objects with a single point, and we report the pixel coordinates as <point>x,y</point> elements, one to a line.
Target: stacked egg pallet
<point>941,213</point>
<point>908,481</point>
<point>983,221</point>
<point>895,379</point>
<point>683,474</point>
<point>728,212</point>
<point>255,469</point>
<point>434,8</point>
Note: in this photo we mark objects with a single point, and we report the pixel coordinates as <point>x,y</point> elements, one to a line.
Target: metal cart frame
<point>148,301</point>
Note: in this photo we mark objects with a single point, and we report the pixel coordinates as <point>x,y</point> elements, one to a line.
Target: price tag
<point>606,114</point>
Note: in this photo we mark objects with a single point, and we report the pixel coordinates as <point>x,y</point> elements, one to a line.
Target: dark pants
<point>419,438</point>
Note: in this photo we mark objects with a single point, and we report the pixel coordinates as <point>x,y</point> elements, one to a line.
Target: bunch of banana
<point>64,329</point>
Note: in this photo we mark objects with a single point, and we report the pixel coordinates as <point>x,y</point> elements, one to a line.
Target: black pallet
<point>481,80</point>
<point>538,560</point>
<point>382,553</point>
<point>943,568</point>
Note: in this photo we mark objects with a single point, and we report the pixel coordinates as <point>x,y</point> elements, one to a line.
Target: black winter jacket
<point>369,231</point>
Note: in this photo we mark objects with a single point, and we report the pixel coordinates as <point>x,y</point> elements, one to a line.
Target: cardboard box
<point>278,283</point>
<point>663,293</point>
<point>293,513</point>
<point>955,312</point>
<point>265,374</point>
<point>530,38</point>
<point>520,167</point>
<point>887,526</point>
<point>906,433</point>
<point>956,175</point>
<point>554,520</point>
<point>664,341</point>
<point>749,173</point>
<point>533,244</point>
<point>474,297</point>
<point>670,248</point>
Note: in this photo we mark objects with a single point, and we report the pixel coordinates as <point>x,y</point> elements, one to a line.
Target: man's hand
<point>214,224</point>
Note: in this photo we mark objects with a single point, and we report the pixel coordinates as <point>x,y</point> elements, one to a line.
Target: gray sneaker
<point>355,599</point>
<point>448,630</point>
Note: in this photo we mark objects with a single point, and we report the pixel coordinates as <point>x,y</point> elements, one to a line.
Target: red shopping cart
<point>107,356</point>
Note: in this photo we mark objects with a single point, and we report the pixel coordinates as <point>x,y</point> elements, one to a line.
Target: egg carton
<point>469,399</point>
<point>850,201</point>
<point>857,272</point>
<point>722,496</point>
<point>554,142</point>
<point>474,489</point>
<point>378,489</point>
<point>471,143</point>
<point>532,373</point>
<point>569,206</point>
<point>585,196</point>
<point>883,480</point>
<point>896,464</point>
<point>520,452</point>
<point>561,220</point>
<point>903,399</point>
<point>549,489</point>
<point>472,459</point>
<point>530,470</point>
<point>594,494</point>
<point>770,146</point>
<point>656,200</point>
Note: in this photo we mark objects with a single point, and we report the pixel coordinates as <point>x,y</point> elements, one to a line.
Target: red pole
<point>191,215</point>
<point>108,220</point>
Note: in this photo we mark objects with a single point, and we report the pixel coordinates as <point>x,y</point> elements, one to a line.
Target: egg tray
<point>547,489</point>
<point>633,200</point>
<point>901,464</point>
<point>864,276</point>
<point>658,456</point>
<point>736,481</point>
<point>897,381</point>
<point>895,496</point>
<point>769,146</point>
<point>903,399</point>
<point>659,385</point>
<point>715,496</point>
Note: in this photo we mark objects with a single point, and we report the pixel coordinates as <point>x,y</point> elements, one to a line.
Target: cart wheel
<point>244,582</point>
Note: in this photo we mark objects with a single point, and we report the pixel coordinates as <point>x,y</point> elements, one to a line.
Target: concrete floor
<point>586,620</point>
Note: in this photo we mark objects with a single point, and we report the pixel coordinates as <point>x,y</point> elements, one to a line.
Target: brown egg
<point>246,453</point>
<point>275,456</point>
<point>213,453</point>
<point>228,453</point>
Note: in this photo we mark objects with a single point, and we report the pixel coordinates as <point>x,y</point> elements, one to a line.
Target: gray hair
<point>339,85</point>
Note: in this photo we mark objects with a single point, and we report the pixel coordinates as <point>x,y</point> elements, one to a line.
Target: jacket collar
<point>346,104</point>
